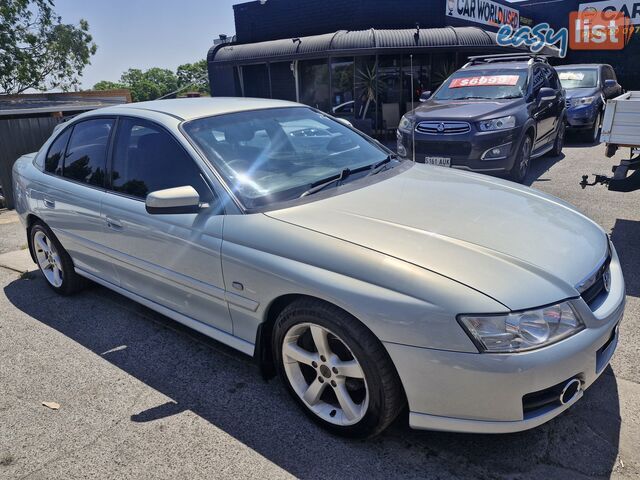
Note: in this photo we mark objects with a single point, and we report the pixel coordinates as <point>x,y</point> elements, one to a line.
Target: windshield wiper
<point>381,165</point>
<point>336,178</point>
<point>325,182</point>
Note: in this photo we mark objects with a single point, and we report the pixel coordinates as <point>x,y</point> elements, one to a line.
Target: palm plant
<point>367,83</point>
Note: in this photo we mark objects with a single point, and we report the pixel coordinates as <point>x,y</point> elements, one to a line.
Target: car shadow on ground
<point>225,388</point>
<point>539,167</point>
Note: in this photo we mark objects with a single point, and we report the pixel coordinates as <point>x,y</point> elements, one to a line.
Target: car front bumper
<point>486,393</point>
<point>466,151</point>
<point>582,116</point>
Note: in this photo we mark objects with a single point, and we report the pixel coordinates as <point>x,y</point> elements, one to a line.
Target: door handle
<point>113,224</point>
<point>49,203</point>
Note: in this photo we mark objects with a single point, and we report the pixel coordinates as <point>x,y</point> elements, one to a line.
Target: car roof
<point>494,65</point>
<point>580,65</point>
<point>190,108</point>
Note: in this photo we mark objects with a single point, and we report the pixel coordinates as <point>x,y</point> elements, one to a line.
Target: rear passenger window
<point>86,157</point>
<point>147,158</point>
<point>53,162</point>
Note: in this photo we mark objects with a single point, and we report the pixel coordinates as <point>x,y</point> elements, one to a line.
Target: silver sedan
<point>367,282</point>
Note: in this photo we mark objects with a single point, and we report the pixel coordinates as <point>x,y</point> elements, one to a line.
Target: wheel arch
<point>31,220</point>
<point>263,353</point>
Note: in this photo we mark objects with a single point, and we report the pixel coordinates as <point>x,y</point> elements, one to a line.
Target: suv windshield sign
<point>488,80</point>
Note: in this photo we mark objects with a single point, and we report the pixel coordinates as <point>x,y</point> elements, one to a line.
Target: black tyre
<point>53,261</point>
<point>558,145</point>
<point>523,161</point>
<point>336,369</point>
<point>592,135</point>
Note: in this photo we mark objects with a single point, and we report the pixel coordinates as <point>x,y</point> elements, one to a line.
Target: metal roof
<point>39,104</point>
<point>370,41</point>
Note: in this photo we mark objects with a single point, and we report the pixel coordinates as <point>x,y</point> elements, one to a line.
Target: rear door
<point>72,193</point>
<point>171,260</point>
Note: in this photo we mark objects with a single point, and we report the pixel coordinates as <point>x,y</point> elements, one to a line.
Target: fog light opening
<point>570,391</point>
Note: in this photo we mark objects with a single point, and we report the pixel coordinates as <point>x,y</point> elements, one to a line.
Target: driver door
<point>172,260</point>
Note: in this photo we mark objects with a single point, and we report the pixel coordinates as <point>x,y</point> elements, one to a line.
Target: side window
<point>609,73</point>
<point>53,161</point>
<point>86,157</point>
<point>552,79</point>
<point>147,158</point>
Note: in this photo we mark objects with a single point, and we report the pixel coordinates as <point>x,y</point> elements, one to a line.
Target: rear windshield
<point>578,78</point>
<point>484,84</point>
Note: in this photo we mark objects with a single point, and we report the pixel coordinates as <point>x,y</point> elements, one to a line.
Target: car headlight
<point>576,102</point>
<point>522,331</point>
<point>406,124</point>
<point>498,123</point>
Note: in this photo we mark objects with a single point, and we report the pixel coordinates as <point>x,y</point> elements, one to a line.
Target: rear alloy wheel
<point>336,369</point>
<point>54,261</point>
<point>523,161</point>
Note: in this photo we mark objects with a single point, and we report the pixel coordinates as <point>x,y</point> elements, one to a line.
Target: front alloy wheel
<point>325,374</point>
<point>336,369</point>
<point>523,161</point>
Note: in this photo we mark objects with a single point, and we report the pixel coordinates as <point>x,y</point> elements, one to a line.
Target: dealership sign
<point>486,12</point>
<point>630,9</point>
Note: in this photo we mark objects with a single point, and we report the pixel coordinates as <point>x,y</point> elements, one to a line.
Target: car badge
<point>441,128</point>
<point>606,279</point>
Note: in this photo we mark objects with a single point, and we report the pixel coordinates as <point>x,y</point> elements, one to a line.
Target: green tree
<point>194,74</point>
<point>149,85</point>
<point>37,50</point>
<point>108,85</point>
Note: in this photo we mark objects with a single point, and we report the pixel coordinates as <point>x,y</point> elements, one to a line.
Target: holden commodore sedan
<point>367,282</point>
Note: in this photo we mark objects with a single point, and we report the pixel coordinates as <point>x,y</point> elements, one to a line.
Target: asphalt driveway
<point>142,397</point>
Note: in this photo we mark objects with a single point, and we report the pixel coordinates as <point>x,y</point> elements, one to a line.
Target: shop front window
<point>256,81</point>
<point>390,92</point>
<point>443,66</point>
<point>367,85</point>
<point>417,68</point>
<point>342,87</point>
<point>314,83</point>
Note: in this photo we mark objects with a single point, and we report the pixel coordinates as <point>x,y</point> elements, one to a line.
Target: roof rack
<point>506,57</point>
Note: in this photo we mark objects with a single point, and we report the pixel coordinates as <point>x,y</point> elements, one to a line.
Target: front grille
<point>447,149</point>
<point>568,103</point>
<point>595,284</point>
<point>443,128</point>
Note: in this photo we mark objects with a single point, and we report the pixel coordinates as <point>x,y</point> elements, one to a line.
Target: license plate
<point>438,161</point>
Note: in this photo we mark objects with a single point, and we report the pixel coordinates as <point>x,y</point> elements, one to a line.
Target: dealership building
<point>369,61</point>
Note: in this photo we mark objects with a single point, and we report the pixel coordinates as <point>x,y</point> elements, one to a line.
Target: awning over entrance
<point>359,42</point>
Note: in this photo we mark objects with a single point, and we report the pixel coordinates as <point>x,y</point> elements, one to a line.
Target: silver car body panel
<point>404,255</point>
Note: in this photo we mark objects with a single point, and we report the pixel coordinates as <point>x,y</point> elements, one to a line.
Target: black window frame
<point>63,131</point>
<point>71,128</point>
<point>215,202</point>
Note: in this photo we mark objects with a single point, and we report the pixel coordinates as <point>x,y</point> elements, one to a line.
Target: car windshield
<point>274,155</point>
<point>490,84</point>
<point>571,79</point>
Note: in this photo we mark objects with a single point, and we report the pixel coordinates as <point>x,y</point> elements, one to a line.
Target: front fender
<point>399,302</point>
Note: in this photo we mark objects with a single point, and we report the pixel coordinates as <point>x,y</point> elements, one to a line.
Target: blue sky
<point>144,34</point>
<point>147,33</point>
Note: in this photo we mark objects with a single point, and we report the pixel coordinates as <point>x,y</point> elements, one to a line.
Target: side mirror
<point>546,94</point>
<point>424,96</point>
<point>344,121</point>
<point>173,201</point>
<point>610,83</point>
